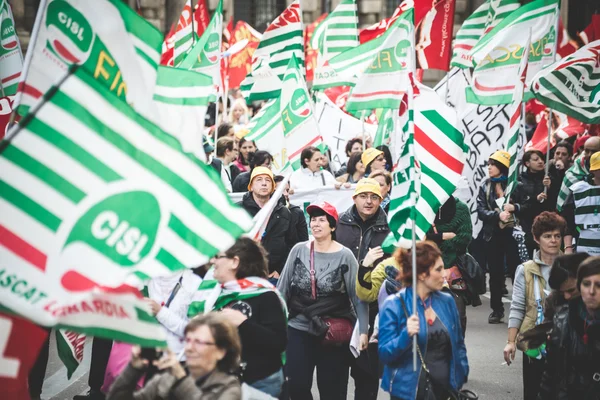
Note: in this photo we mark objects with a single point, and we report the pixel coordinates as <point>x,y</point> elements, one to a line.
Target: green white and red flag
<point>282,40</point>
<point>300,126</point>
<point>497,56</point>
<point>483,20</point>
<point>184,34</point>
<point>385,80</point>
<point>572,85</point>
<point>11,57</point>
<point>200,22</point>
<point>205,56</point>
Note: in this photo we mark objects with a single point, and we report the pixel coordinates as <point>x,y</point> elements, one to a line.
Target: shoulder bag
<point>339,330</point>
<point>431,386</point>
<point>512,221</point>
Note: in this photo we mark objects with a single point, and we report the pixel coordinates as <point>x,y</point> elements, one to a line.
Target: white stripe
<point>145,48</point>
<point>183,251</point>
<point>343,43</point>
<point>27,228</point>
<point>190,92</point>
<point>342,31</point>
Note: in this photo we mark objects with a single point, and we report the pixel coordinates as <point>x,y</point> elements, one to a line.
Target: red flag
<point>240,64</point>
<point>5,111</point>
<point>592,31</point>
<point>310,54</point>
<point>201,21</point>
<point>565,43</point>
<point>20,343</point>
<point>563,127</point>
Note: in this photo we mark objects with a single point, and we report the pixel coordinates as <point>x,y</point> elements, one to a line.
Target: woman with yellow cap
<point>373,160</point>
<point>497,231</point>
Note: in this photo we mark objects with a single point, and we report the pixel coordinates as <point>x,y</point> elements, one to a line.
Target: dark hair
<point>387,155</point>
<point>279,178</point>
<point>427,254</point>
<point>527,156</point>
<point>223,144</point>
<point>253,258</point>
<point>566,145</point>
<point>350,144</point>
<point>548,221</point>
<point>319,213</point>
<point>240,156</point>
<point>223,130</point>
<point>589,267</point>
<point>352,161</point>
<point>565,267</point>
<point>307,153</point>
<point>503,169</point>
<point>226,338</point>
<point>258,158</point>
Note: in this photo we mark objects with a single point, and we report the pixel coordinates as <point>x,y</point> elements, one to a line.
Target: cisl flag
<point>20,343</point>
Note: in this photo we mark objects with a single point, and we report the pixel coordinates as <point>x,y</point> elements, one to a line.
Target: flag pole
<point>27,63</point>
<point>549,109</point>
<point>362,127</point>
<point>192,19</point>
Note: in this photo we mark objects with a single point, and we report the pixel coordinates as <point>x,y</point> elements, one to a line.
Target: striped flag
<point>87,178</point>
<point>385,127</point>
<point>282,40</point>
<point>336,34</point>
<point>200,22</point>
<point>205,56</point>
<point>184,34</point>
<point>11,57</point>
<point>484,19</point>
<point>117,46</point>
<point>300,127</point>
<point>440,153</point>
<point>385,80</point>
<point>182,98</point>
<point>572,85</point>
<point>497,55</point>
<point>576,173</point>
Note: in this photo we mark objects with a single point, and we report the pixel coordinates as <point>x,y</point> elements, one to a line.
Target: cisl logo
<point>107,238</point>
<point>211,51</point>
<point>70,35</point>
<point>300,104</point>
<point>7,34</point>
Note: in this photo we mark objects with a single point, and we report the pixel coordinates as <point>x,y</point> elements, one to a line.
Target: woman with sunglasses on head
<point>318,284</point>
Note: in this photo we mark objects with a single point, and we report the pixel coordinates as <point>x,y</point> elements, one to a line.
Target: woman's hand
<point>364,342</point>
<point>373,255</point>
<point>559,165</point>
<point>509,207</point>
<point>541,197</point>
<point>504,216</point>
<point>169,361</point>
<point>137,361</point>
<point>412,325</point>
<point>448,235</point>
<point>547,182</point>
<point>338,185</point>
<point>236,317</point>
<point>509,352</point>
<point>154,306</point>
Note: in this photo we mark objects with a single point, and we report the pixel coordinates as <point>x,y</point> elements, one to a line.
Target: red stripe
<point>22,249</point>
<point>74,281</point>
<point>463,46</point>
<point>8,78</point>
<point>31,91</point>
<point>306,145</point>
<point>516,116</point>
<point>491,88</point>
<point>428,144</point>
<point>384,92</point>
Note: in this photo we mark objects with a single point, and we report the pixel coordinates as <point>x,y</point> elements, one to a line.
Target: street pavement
<point>488,376</point>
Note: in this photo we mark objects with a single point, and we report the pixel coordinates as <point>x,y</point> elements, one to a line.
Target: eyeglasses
<point>219,256</point>
<point>380,158</point>
<point>372,197</point>
<point>198,343</point>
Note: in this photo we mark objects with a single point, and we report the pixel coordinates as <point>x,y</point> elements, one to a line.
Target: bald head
<point>591,146</point>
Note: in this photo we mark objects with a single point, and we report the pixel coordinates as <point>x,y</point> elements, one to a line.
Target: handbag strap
<point>418,348</point>
<point>313,280</point>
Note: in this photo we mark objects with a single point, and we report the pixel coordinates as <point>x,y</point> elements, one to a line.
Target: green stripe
<point>342,25</point>
<point>73,150</point>
<point>462,37</point>
<point>587,193</point>
<point>139,27</point>
<point>181,230</point>
<point>114,335</point>
<point>279,40</point>
<point>338,50</point>
<point>289,48</point>
<point>445,127</point>
<point>168,260</point>
<point>343,14</point>
<point>207,284</point>
<point>267,130</point>
<point>564,105</point>
<point>145,57</point>
<point>184,101</point>
<point>65,354</point>
<point>586,210</point>
<point>255,96</point>
<point>144,316</point>
<point>29,207</point>
<point>588,242</point>
<point>341,37</point>
<point>487,100</point>
<point>44,173</point>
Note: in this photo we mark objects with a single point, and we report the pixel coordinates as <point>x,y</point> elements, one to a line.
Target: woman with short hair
<point>355,170</point>
<point>212,349</point>
<point>311,175</point>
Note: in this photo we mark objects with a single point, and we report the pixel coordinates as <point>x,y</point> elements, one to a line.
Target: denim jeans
<point>270,385</point>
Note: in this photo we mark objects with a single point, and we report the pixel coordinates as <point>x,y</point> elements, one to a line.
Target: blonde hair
<point>241,102</point>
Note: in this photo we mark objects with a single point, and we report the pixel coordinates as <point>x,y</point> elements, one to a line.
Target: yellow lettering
<point>115,81</point>
<point>387,58</point>
<point>503,58</point>
<point>104,57</point>
<point>514,52</point>
<point>287,116</point>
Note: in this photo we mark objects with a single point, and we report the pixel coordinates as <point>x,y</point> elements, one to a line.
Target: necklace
<point>425,306</point>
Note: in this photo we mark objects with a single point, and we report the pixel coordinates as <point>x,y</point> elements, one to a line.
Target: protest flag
<point>572,85</point>
<point>310,53</point>
<point>184,34</point>
<point>11,57</point>
<point>484,19</point>
<point>240,64</point>
<point>266,130</point>
<point>282,40</point>
<point>591,33</point>
<point>199,23</point>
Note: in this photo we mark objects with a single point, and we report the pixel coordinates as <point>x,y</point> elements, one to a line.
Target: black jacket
<point>571,363</point>
<point>278,239</point>
<point>298,225</point>
<point>240,184</point>
<point>487,210</point>
<point>525,195</point>
<point>218,165</point>
<point>359,240</point>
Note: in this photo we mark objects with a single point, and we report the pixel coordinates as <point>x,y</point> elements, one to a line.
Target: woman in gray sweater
<point>318,284</point>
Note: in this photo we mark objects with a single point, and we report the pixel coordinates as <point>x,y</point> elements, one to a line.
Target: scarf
<point>577,172</point>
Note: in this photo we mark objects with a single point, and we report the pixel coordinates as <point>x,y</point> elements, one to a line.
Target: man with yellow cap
<point>362,229</point>
<point>277,239</point>
<point>585,200</point>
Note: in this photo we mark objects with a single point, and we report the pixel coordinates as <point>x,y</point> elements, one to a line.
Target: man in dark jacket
<point>277,239</point>
<point>363,228</point>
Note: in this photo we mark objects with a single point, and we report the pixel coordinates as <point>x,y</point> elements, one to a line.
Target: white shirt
<point>306,179</point>
<point>226,175</point>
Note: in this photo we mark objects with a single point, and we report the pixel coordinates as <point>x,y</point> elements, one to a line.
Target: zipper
<point>392,380</point>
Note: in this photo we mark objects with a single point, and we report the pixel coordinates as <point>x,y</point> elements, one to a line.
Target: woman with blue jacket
<point>436,324</point>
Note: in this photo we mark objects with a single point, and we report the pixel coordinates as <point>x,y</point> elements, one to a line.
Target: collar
<point>308,172</point>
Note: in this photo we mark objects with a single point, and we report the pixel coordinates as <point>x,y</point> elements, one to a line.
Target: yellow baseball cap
<point>369,155</point>
<point>595,161</point>
<point>367,185</point>
<point>503,157</point>
<point>261,171</point>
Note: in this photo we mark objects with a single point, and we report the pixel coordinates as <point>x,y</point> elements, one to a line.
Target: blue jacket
<point>395,346</point>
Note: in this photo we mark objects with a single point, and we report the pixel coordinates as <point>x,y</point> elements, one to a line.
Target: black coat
<point>525,199</point>
<point>487,210</point>
<point>360,239</point>
<point>240,184</point>
<point>278,239</point>
<point>299,225</point>
<point>218,165</point>
<point>571,363</point>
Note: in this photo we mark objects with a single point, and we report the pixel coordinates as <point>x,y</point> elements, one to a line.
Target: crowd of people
<point>286,305</point>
